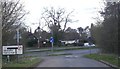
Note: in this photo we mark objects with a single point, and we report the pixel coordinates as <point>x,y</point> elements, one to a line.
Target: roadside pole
<point>17,42</point>
<point>52,41</point>
<point>52,46</point>
<point>1,35</point>
<point>8,58</point>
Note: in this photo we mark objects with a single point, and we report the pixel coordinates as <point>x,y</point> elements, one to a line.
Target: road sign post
<point>52,46</point>
<point>52,41</point>
<point>12,50</point>
<point>8,58</point>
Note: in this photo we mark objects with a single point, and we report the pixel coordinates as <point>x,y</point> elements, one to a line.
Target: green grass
<point>69,49</point>
<point>25,62</point>
<point>65,48</point>
<point>112,59</point>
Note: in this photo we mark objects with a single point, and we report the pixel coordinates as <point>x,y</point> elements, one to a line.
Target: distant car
<point>87,44</point>
<point>92,45</point>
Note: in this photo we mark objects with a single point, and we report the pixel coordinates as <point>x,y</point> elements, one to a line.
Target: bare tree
<point>12,17</point>
<point>12,13</point>
<point>57,17</point>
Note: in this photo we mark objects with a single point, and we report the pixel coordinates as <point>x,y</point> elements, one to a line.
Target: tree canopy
<point>106,33</point>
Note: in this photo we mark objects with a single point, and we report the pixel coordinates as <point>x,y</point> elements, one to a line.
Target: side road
<point>76,59</point>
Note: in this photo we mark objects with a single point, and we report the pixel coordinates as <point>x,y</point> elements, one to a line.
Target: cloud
<point>84,10</point>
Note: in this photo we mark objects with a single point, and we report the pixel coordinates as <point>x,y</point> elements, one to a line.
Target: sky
<point>84,11</point>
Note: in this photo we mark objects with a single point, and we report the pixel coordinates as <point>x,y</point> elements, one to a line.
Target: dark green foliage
<point>57,36</point>
<point>31,42</point>
<point>106,32</point>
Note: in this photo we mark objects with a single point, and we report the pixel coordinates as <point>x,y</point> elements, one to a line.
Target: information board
<point>12,50</point>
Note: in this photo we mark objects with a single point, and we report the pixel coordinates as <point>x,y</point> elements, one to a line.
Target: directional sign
<point>51,39</point>
<point>12,50</point>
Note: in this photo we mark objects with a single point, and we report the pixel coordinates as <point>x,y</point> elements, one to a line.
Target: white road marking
<point>71,56</point>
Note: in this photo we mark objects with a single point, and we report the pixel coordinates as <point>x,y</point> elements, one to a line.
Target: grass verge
<point>112,59</point>
<point>25,62</point>
<point>62,49</point>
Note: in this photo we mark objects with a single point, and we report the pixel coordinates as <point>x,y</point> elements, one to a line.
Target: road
<point>70,61</point>
<point>76,59</point>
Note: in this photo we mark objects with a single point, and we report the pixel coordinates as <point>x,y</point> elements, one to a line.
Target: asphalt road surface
<point>70,61</point>
<point>76,59</point>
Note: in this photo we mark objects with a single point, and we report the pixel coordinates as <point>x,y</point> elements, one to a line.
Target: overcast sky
<point>84,10</point>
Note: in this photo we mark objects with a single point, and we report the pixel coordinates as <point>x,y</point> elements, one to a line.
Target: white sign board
<point>12,50</point>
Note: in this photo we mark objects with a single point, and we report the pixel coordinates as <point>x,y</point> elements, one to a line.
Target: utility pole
<point>38,37</point>
<point>0,35</point>
<point>18,41</point>
<point>18,36</point>
<point>118,7</point>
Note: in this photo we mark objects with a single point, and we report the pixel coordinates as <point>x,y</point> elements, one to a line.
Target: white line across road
<point>71,56</point>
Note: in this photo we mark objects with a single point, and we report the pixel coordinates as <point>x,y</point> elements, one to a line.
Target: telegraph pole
<point>18,41</point>
<point>0,35</point>
<point>18,36</point>
<point>38,37</point>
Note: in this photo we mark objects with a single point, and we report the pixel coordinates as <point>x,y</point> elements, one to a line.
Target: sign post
<point>8,58</point>
<point>52,40</point>
<point>12,50</point>
<point>18,41</point>
<point>18,36</point>
<point>52,46</point>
